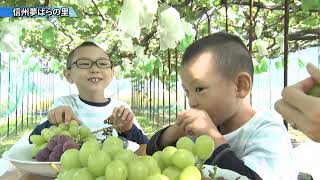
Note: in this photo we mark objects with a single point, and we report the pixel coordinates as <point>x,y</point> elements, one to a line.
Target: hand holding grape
<point>61,114</point>
<point>123,118</point>
<point>300,104</point>
<point>198,122</point>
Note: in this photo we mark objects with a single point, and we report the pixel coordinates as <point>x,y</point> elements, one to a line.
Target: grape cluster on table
<point>53,141</point>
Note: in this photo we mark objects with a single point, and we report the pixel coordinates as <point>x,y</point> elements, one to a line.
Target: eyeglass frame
<point>92,62</point>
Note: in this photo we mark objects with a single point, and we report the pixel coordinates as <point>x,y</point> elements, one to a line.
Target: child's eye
<point>199,90</point>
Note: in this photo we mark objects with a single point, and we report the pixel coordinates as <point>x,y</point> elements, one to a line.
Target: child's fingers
<point>125,114</point>
<point>114,112</point>
<point>51,117</point>
<point>67,116</point>
<point>130,117</point>
<point>185,122</point>
<point>120,111</point>
<point>58,116</point>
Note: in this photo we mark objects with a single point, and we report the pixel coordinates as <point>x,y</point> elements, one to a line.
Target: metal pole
<point>8,118</point>
<point>286,53</point>
<point>169,66</point>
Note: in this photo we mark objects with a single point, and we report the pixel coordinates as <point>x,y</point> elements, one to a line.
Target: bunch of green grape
<point>53,141</point>
<point>110,161</point>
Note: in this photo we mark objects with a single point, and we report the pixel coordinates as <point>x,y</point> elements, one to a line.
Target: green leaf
<point>49,37</point>
<point>264,66</point>
<point>185,43</point>
<point>301,63</point>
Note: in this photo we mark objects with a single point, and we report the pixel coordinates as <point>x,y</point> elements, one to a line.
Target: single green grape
<point>172,172</point>
<point>70,159</point>
<point>97,162</point>
<point>37,139</point>
<point>203,148</point>
<point>183,158</point>
<point>315,91</point>
<point>190,173</point>
<point>185,143</point>
<point>116,170</point>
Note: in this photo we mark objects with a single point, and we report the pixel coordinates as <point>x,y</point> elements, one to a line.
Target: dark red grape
<point>54,138</point>
<point>63,138</point>
<point>51,144</point>
<point>58,149</point>
<point>43,154</point>
<point>54,157</point>
<point>70,144</point>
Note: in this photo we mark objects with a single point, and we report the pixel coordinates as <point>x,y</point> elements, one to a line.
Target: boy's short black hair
<point>71,54</point>
<point>230,53</point>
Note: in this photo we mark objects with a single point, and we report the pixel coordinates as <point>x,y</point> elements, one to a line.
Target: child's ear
<point>67,75</point>
<point>244,84</point>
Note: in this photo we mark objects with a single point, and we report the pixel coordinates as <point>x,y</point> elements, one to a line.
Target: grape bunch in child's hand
<point>121,118</point>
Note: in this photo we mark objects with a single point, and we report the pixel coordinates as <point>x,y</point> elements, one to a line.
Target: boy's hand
<point>123,118</point>
<point>61,114</point>
<point>198,122</point>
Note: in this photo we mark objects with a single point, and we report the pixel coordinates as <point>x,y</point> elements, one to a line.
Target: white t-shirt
<point>91,116</point>
<point>264,145</point>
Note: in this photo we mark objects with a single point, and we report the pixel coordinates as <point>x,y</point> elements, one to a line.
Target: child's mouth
<point>94,80</point>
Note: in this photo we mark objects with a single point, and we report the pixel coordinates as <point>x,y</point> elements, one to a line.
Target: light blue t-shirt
<point>264,145</point>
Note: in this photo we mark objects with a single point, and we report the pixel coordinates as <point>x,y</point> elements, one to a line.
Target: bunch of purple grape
<point>55,148</point>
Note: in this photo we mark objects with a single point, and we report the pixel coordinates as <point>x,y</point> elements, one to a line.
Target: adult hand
<point>301,110</point>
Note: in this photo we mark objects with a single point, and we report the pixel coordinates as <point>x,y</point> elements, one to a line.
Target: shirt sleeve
<point>136,135</point>
<point>224,157</point>
<point>153,144</point>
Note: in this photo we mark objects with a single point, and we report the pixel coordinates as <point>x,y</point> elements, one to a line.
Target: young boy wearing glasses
<point>90,68</point>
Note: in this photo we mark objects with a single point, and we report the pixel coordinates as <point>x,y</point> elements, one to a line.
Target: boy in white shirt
<point>91,69</point>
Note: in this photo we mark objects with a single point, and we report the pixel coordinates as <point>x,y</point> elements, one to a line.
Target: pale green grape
<point>185,143</point>
<point>83,173</point>
<point>190,173</point>
<point>183,158</point>
<point>66,133</point>
<point>86,149</point>
<point>97,162</point>
<point>73,123</point>
<point>74,131</point>
<point>157,157</point>
<point>116,170</point>
<point>101,178</point>
<point>70,159</point>
<point>84,132</point>
<point>63,126</point>
<point>112,145</point>
<point>125,156</point>
<point>203,148</point>
<point>166,154</point>
<point>151,164</point>
<point>34,151</point>
<point>137,170</point>
<point>157,177</point>
<point>172,172</point>
<point>68,174</point>
<point>315,91</point>
<point>37,139</point>
<point>47,134</point>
